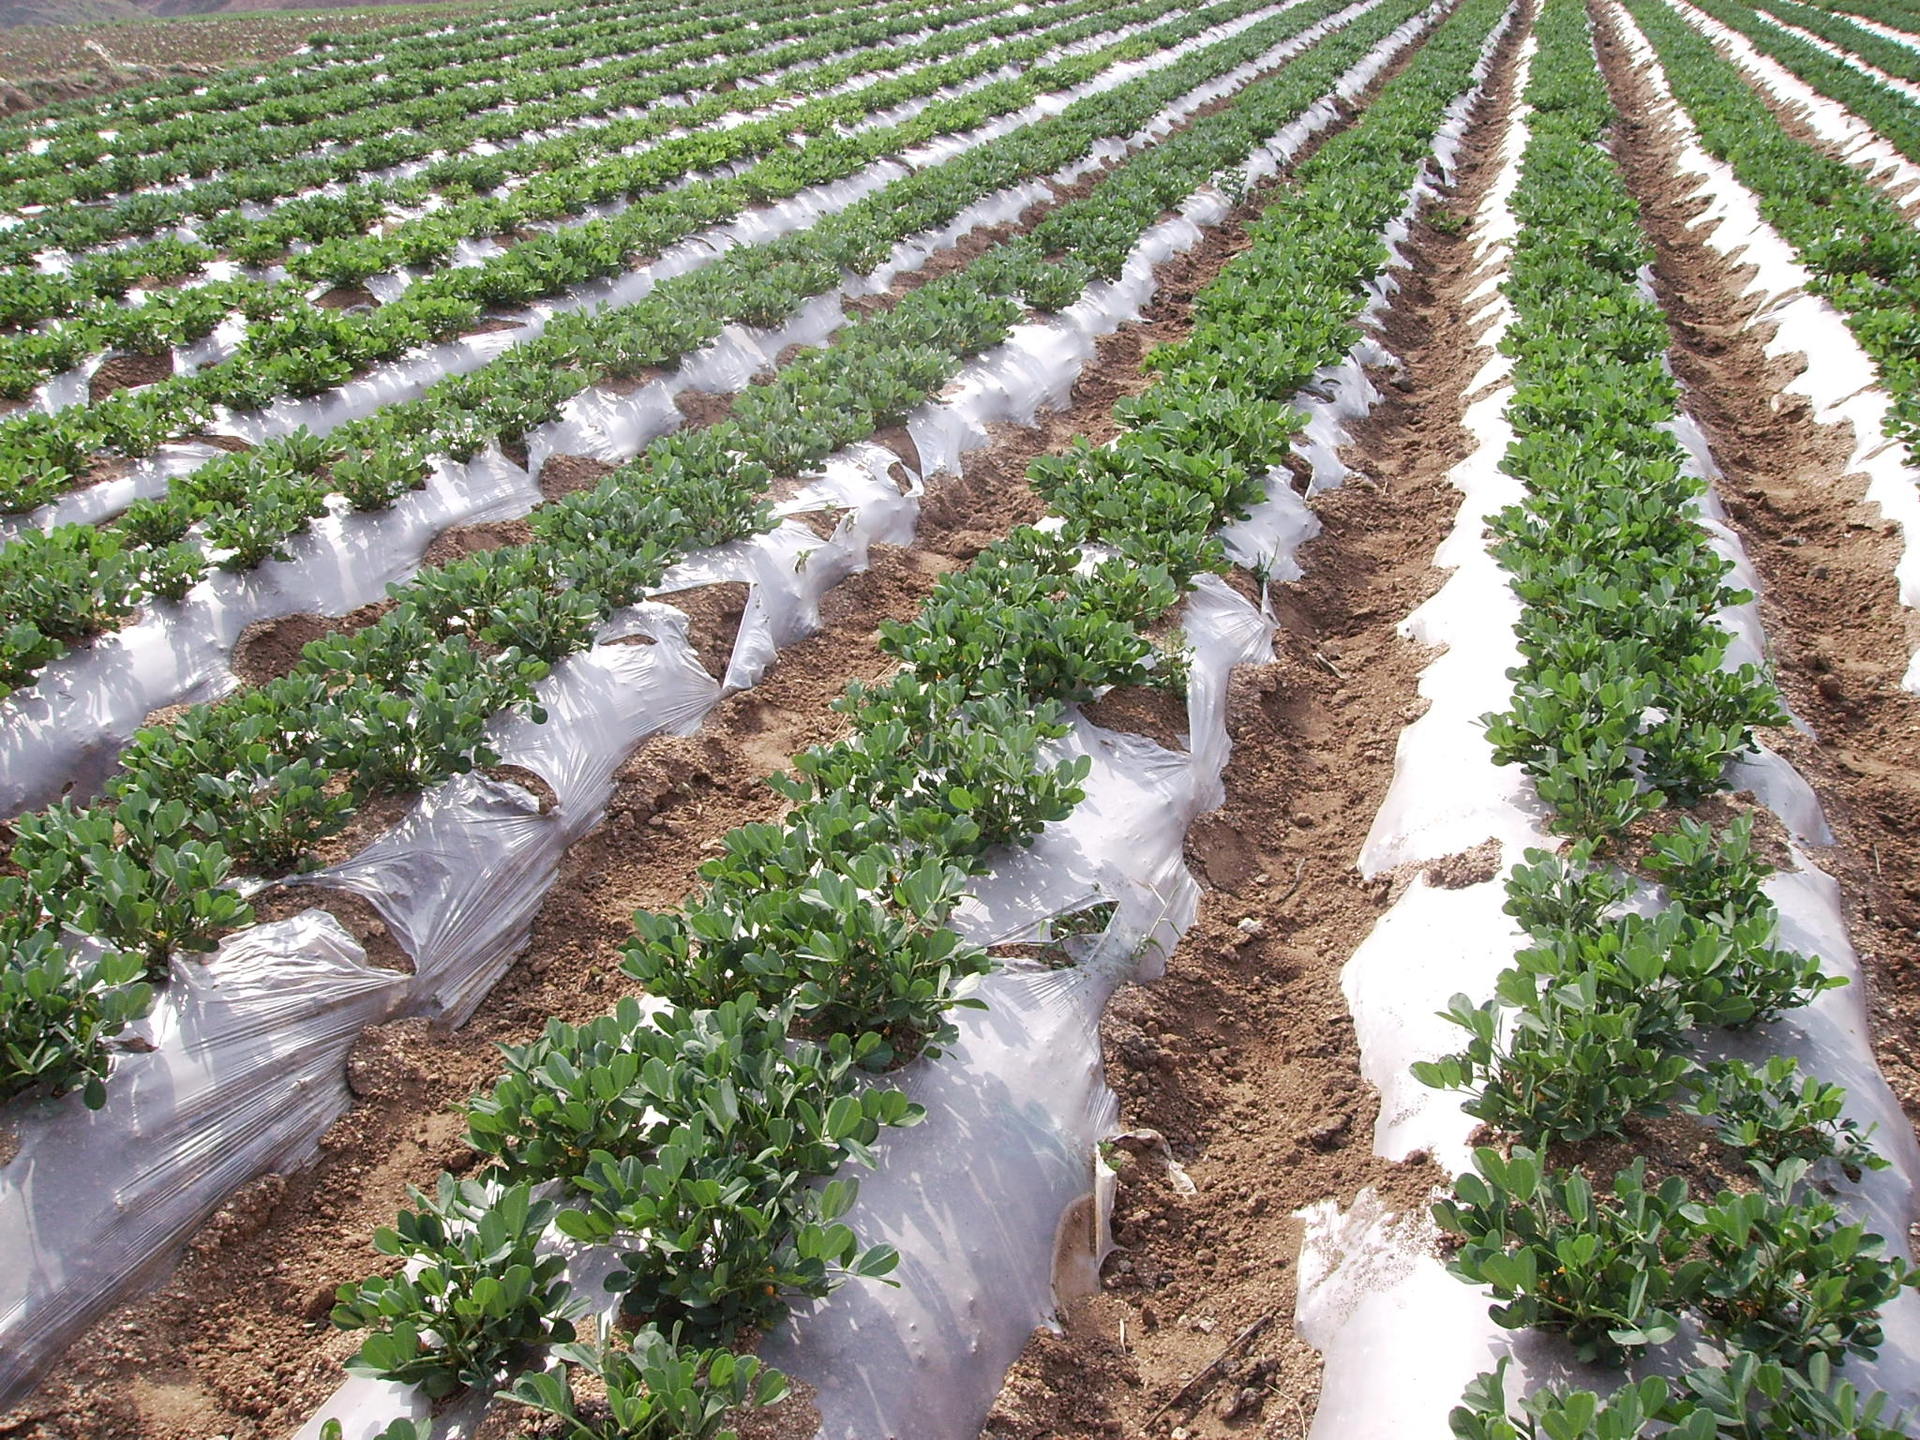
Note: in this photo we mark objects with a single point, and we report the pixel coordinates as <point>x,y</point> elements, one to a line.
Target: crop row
<point>135,156</point>
<point>290,95</point>
<point>791,38</point>
<point>1892,114</point>
<point>655,187</point>
<point>129,1099</point>
<point>407,701</point>
<point>1893,14</point>
<point>1030,625</point>
<point>1901,61</point>
<point>1625,714</point>
<point>1862,252</point>
<point>75,581</point>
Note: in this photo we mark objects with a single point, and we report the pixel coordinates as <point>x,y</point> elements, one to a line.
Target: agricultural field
<point>967,722</point>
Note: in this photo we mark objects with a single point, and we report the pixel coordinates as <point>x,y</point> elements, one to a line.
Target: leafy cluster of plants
<point>1863,254</point>
<point>686,1136</point>
<point>73,582</point>
<point>1625,711</point>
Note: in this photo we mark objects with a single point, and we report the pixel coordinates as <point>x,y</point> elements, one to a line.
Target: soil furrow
<point>1243,1055</point>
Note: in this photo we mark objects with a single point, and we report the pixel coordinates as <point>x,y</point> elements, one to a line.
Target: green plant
<point>656,1390</point>
<point>1613,1271</point>
<point>1764,1114</point>
<point>475,1295</point>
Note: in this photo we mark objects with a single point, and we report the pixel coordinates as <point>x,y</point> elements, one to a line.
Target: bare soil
<point>128,372</point>
<point>1840,637</point>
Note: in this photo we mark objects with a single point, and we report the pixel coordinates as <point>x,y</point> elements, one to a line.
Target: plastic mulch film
<point>246,1069</point>
<point>459,881</point>
<point>1371,1291</point>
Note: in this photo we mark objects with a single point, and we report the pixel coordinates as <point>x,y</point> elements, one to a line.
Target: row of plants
<point>1894,58</point>
<point>256,780</point>
<point>62,586</point>
<point>319,98</point>
<point>824,922</point>
<point>692,84</point>
<point>312,350</point>
<point>1625,715</point>
<point>1891,13</point>
<point>574,182</point>
<point>1859,248</point>
<point>1893,115</point>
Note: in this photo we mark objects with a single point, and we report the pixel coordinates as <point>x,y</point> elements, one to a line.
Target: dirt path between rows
<point>1243,1056</point>
<point>1840,637</point>
<point>237,1342</point>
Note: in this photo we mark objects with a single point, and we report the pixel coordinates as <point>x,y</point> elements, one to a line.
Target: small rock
<point>1331,1136</point>
<point>1302,820</point>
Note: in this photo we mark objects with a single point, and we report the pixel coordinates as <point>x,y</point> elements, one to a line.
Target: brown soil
<point>1840,636</point>
<point>270,649</point>
<point>463,540</point>
<point>1139,710</point>
<point>713,615</point>
<point>355,914</point>
<point>47,59</point>
<point>564,475</point>
<point>128,372</point>
<point>1242,1056</point>
<point>702,407</point>
<point>347,297</point>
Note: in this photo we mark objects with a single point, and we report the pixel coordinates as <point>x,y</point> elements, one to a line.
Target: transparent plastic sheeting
<point>69,726</point>
<point>1844,385</point>
<point>407,378</point>
<point>1370,1288</point>
<point>1017,1104</point>
<point>247,1067</point>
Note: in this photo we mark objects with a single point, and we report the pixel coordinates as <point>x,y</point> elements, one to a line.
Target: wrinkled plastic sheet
<point>247,1069</point>
<point>1844,386</point>
<point>1006,1158</point>
<point>1371,1292</point>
